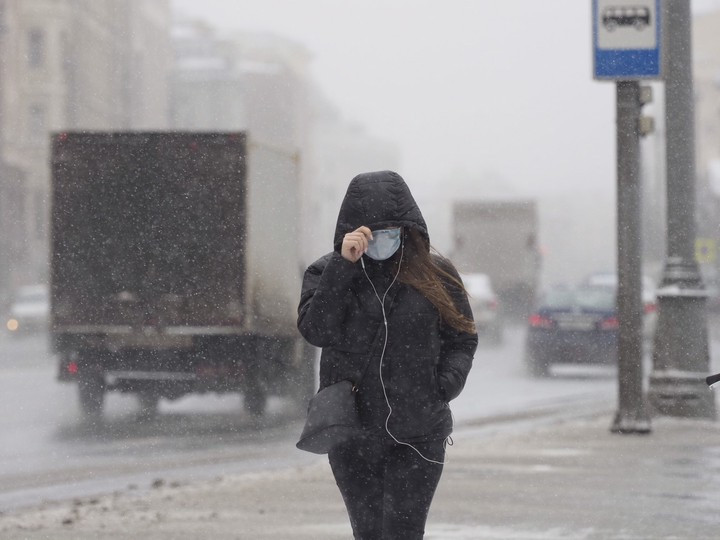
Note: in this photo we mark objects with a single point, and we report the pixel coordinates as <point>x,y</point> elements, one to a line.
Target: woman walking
<point>393,318</point>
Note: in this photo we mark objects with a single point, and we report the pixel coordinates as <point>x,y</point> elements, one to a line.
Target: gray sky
<point>476,86</point>
<point>480,96</point>
<point>480,86</point>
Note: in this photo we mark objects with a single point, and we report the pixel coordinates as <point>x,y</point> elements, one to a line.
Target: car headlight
<point>12,325</point>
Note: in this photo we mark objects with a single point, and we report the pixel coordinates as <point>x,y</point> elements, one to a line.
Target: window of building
<point>37,130</point>
<point>40,211</point>
<point>36,47</point>
<point>2,16</point>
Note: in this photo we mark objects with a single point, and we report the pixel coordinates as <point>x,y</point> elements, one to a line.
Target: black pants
<point>387,487</point>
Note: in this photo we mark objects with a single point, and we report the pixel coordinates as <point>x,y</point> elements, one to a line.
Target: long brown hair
<point>420,270</point>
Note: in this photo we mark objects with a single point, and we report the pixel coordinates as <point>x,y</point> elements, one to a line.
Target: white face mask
<point>384,244</point>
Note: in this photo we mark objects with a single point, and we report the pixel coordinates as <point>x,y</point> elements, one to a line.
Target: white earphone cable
<point>382,354</point>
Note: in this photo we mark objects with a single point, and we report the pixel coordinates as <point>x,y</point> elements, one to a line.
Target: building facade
<point>73,65</point>
<point>706,72</point>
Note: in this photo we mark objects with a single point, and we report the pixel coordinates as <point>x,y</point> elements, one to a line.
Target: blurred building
<point>12,232</point>
<point>69,65</point>
<point>239,82</point>
<point>340,150</point>
<point>654,186</point>
<point>706,60</point>
<point>706,43</point>
<point>262,83</point>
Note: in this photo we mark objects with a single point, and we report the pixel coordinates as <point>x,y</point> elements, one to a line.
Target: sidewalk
<point>572,480</point>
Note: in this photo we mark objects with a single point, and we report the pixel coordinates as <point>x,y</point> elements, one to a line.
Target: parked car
<point>712,288</point>
<point>649,298</point>
<point>572,326</point>
<point>485,306</point>
<point>29,311</point>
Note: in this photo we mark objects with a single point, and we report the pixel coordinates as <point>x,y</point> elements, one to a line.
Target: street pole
<point>631,416</point>
<point>680,357</point>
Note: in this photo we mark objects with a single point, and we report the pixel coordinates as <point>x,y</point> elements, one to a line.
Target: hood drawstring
<point>382,354</point>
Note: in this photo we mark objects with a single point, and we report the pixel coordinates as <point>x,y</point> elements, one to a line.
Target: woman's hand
<point>355,244</point>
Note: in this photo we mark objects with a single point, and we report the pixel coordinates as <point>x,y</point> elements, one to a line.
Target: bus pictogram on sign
<point>636,16</point>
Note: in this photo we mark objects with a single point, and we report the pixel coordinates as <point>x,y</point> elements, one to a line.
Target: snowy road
<point>46,454</point>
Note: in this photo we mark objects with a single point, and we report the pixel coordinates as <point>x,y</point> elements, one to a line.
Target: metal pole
<point>680,357</point>
<point>631,416</point>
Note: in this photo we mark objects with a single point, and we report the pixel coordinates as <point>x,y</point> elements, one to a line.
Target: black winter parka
<point>425,362</point>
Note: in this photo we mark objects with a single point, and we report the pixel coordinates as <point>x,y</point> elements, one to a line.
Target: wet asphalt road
<point>47,453</point>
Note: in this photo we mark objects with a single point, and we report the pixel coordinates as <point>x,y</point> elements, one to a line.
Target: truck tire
<point>91,392</point>
<point>496,335</point>
<point>254,400</point>
<point>303,384</point>
<point>148,402</point>
<point>255,393</point>
<point>537,367</point>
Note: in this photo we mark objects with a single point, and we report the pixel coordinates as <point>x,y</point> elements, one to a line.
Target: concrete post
<point>680,357</point>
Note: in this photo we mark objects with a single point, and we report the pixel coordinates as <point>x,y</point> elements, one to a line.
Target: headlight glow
<point>12,325</point>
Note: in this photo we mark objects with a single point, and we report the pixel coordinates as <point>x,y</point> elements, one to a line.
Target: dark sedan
<point>572,326</point>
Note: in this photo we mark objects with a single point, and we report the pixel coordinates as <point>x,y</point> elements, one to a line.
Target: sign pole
<point>626,47</point>
<point>632,416</point>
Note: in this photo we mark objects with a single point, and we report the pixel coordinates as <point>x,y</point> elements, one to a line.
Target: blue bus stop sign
<point>627,39</point>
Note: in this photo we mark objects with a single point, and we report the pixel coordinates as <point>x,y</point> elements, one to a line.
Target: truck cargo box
<point>499,238</point>
<point>162,241</point>
<point>190,232</point>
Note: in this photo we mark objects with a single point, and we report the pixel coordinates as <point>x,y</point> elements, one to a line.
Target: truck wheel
<point>254,390</point>
<point>303,383</point>
<point>91,391</point>
<point>537,367</point>
<point>496,335</point>
<point>254,399</point>
<point>148,402</point>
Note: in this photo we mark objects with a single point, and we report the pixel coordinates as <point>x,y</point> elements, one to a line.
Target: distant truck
<point>175,268</point>
<point>499,238</point>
